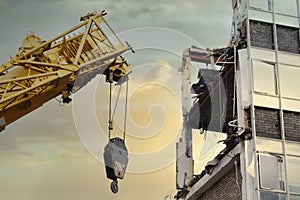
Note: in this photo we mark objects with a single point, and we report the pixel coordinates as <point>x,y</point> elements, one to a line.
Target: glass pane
<point>294,197</point>
<point>264,77</point>
<point>286,7</point>
<point>271,172</point>
<point>271,196</point>
<point>290,81</point>
<point>260,4</point>
<point>293,164</point>
<point>268,145</point>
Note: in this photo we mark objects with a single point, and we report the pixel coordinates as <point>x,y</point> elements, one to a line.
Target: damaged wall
<point>267,122</point>
<point>291,125</point>
<point>288,39</point>
<point>228,187</point>
<point>262,35</point>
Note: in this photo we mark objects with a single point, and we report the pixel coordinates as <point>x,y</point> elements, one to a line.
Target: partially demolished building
<point>248,90</point>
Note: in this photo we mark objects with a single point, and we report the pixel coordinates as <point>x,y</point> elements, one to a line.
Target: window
<point>286,7</point>
<point>294,197</point>
<point>264,78</point>
<point>260,4</point>
<point>271,173</point>
<point>293,164</point>
<point>271,196</point>
<point>289,80</point>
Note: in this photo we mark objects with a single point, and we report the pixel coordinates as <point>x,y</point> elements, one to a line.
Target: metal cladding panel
<point>244,79</point>
<point>213,108</point>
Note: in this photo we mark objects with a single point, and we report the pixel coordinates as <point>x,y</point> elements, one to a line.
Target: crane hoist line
<point>45,69</point>
<point>115,152</point>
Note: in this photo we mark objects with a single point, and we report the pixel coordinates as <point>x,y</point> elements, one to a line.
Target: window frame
<point>281,186</point>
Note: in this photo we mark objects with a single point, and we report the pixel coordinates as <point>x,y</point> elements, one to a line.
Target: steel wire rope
<point>112,114</point>
<point>125,112</point>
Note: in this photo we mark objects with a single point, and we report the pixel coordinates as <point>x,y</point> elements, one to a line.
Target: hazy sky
<point>54,152</point>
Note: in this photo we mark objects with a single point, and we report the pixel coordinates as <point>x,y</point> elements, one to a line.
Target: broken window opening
<point>267,195</point>
<point>283,7</point>
<point>267,123</point>
<point>265,5</point>
<point>289,81</point>
<point>264,78</point>
<point>271,171</point>
<point>293,163</point>
<point>261,34</point>
<point>294,197</point>
<point>214,90</point>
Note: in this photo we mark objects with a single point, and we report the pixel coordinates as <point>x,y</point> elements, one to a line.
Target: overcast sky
<point>45,155</point>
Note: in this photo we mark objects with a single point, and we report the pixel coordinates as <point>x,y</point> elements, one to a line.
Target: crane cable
<point>110,122</point>
<point>112,114</point>
<point>125,113</point>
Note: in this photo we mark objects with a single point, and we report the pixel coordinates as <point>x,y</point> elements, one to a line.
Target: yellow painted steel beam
<point>42,70</point>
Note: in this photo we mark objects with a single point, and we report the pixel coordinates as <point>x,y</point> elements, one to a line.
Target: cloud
<point>45,135</point>
<point>3,3</point>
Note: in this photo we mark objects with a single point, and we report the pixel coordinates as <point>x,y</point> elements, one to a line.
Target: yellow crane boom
<point>42,70</point>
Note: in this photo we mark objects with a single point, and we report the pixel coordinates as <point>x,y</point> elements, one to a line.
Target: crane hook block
<point>115,158</point>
